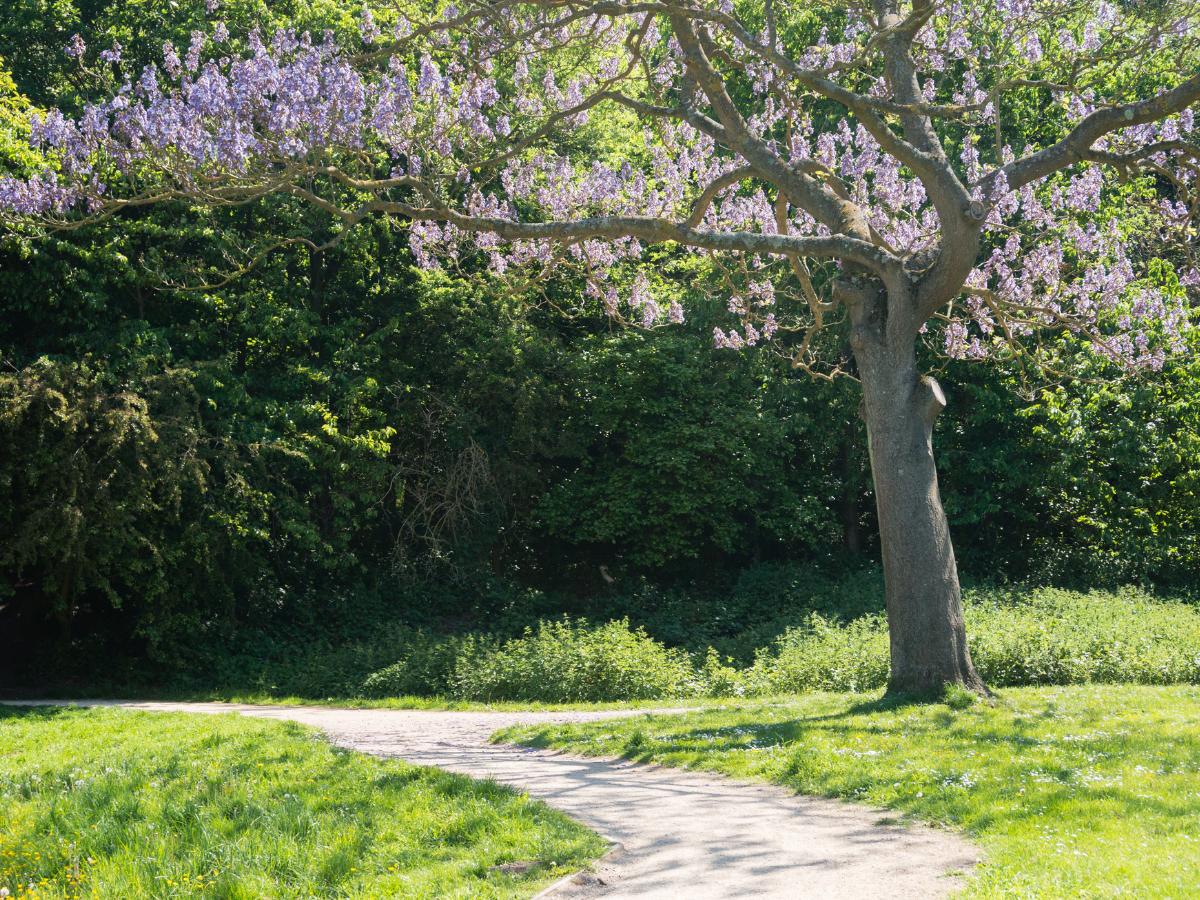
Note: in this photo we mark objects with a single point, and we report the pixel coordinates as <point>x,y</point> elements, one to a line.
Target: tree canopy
<point>878,136</point>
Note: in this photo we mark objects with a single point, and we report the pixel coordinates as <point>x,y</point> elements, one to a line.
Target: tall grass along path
<point>675,833</point>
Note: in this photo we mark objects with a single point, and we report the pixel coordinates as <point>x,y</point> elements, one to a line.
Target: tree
<point>842,169</point>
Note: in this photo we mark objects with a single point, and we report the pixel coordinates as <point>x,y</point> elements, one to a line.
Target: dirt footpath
<point>678,834</point>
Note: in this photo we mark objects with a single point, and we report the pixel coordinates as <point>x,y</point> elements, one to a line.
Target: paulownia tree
<point>842,166</point>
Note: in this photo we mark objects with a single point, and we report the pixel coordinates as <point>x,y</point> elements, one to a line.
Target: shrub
<point>1018,636</point>
<point>741,617</point>
<point>426,668</point>
<point>1051,636</point>
<point>333,664</point>
<point>718,677</point>
<point>1044,636</point>
<point>570,661</point>
<point>824,656</point>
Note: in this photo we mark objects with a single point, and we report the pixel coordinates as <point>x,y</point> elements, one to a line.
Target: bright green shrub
<point>719,678</point>
<point>1018,636</point>
<point>824,656</point>
<point>571,660</point>
<point>396,680</point>
<point>1046,636</point>
<point>1051,636</point>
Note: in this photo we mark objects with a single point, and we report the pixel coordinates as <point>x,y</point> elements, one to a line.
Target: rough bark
<point>924,601</point>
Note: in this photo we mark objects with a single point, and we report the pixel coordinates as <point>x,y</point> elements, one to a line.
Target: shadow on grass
<point>1011,767</point>
<point>45,713</point>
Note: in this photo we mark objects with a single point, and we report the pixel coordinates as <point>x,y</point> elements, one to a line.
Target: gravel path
<point>677,834</point>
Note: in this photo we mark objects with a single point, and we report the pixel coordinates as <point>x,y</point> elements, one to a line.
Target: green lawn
<point>117,803</point>
<point>1070,791</point>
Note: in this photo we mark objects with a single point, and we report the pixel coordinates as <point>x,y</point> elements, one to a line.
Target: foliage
<point>1046,636</point>
<point>392,659</point>
<point>94,472</point>
<point>822,655</point>
<point>1087,482</point>
<point>116,803</point>
<point>1020,636</point>
<point>681,453</point>
<point>1070,792</point>
<point>1061,637</point>
<point>206,486</point>
<point>569,661</point>
<point>429,666</point>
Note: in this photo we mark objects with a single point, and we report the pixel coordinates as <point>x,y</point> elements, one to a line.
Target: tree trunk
<point>924,601</point>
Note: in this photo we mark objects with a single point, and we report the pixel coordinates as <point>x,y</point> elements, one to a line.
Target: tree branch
<point>1075,146</point>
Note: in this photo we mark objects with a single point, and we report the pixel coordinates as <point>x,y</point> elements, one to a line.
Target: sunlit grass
<point>116,803</point>
<point>1070,791</point>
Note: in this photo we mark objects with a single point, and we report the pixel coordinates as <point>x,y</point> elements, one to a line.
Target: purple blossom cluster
<point>453,124</point>
<point>1060,265</point>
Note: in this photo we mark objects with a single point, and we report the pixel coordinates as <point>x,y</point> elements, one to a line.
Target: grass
<point>1090,791</point>
<point>118,803</point>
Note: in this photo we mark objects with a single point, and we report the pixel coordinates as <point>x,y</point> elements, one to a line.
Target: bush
<point>335,664</point>
<point>736,617</point>
<point>719,678</point>
<point>1046,636</point>
<point>1052,636</point>
<point>824,656</point>
<point>566,661</point>
<point>1018,636</point>
<point>427,668</point>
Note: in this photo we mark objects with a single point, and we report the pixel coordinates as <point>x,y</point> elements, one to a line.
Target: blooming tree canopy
<point>880,146</point>
<point>844,163</point>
